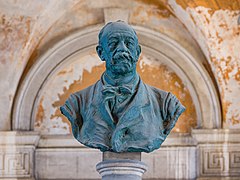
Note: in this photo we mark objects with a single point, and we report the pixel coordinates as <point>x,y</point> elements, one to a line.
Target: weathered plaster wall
<point>79,74</point>
<point>86,70</point>
<point>206,28</point>
<point>214,26</point>
<point>29,28</point>
<point>159,75</point>
<point>22,25</point>
<point>158,16</point>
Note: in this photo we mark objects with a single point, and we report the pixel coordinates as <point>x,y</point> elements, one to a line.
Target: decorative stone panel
<point>17,151</point>
<point>218,152</point>
<point>234,160</point>
<point>220,160</point>
<point>16,162</point>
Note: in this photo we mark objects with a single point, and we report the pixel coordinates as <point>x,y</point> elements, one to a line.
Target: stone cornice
<point>216,135</point>
<point>19,138</point>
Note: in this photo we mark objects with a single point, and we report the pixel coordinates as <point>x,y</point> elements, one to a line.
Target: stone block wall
<point>203,154</point>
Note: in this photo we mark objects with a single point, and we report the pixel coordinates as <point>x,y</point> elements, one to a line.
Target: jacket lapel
<point>131,118</point>
<point>97,103</point>
<point>139,101</point>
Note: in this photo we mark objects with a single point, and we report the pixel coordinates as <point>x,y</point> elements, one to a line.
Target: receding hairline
<point>100,35</point>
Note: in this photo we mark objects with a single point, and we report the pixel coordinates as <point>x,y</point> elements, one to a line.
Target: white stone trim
<point>121,167</point>
<point>19,138</point>
<point>205,136</point>
<point>59,141</point>
<point>68,141</point>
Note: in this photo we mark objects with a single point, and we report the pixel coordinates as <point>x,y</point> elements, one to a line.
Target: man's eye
<point>128,44</point>
<point>112,45</point>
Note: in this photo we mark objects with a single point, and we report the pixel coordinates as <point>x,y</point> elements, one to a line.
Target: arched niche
<point>154,44</point>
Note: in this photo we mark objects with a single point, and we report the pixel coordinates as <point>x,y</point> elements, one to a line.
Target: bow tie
<point>118,90</point>
<point>112,94</point>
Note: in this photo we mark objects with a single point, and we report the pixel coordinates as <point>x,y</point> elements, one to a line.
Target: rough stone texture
<point>77,163</point>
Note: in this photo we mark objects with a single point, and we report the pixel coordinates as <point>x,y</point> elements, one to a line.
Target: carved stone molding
<point>17,154</point>
<point>16,163</point>
<point>205,136</point>
<point>220,160</point>
<point>218,152</point>
<point>209,154</point>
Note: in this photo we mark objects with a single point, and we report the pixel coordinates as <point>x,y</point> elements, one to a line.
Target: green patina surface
<point>119,112</point>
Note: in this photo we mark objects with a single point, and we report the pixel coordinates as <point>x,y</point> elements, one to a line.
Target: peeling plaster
<point>26,29</point>
<point>20,32</point>
<point>218,35</point>
<point>150,15</point>
<point>86,70</point>
<point>156,74</point>
<point>222,34</point>
<point>213,4</point>
<point>14,32</point>
<point>56,91</point>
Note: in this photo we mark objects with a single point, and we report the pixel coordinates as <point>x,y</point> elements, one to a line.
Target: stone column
<point>121,166</point>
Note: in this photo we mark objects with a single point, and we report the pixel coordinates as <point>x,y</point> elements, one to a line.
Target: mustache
<point>125,57</point>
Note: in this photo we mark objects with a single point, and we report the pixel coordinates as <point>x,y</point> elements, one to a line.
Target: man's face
<point>120,50</point>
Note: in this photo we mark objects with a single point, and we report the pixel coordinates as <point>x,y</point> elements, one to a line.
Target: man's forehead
<point>118,28</point>
<point>122,34</point>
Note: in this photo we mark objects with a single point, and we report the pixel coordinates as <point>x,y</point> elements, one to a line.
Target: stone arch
<point>158,45</point>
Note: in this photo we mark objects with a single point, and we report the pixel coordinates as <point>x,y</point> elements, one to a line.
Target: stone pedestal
<point>121,166</point>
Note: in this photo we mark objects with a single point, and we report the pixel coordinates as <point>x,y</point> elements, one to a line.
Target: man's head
<point>118,46</point>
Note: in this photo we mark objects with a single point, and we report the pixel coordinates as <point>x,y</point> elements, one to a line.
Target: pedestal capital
<point>120,169</point>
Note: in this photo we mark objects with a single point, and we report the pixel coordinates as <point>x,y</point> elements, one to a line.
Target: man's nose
<point>122,47</point>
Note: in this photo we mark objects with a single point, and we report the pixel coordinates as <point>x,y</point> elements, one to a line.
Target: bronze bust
<point>120,113</point>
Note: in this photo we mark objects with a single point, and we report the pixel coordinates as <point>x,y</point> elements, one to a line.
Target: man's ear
<point>138,50</point>
<point>100,52</point>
